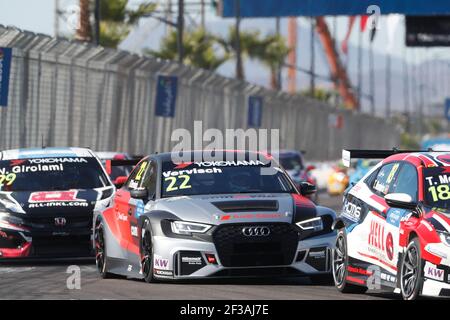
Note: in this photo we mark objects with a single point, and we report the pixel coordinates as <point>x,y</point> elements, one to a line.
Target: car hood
<point>49,203</point>
<point>237,208</point>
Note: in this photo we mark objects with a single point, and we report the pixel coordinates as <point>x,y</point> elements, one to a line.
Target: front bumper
<point>434,288</point>
<point>18,243</point>
<point>191,259</point>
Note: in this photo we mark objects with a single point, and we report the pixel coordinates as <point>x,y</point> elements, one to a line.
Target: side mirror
<point>307,188</point>
<point>139,194</point>
<point>310,168</point>
<point>401,201</point>
<point>120,181</point>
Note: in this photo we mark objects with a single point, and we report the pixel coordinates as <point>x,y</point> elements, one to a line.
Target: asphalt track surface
<point>48,280</point>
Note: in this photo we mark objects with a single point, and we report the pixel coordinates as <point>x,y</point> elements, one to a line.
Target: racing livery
<point>394,229</point>
<point>222,218</point>
<point>47,200</point>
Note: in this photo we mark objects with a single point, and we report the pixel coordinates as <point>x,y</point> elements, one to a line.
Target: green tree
<point>116,20</point>
<point>199,49</point>
<point>272,51</point>
<point>249,45</point>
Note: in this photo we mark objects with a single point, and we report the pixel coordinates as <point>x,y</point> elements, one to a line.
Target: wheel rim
<point>410,271</point>
<point>339,261</point>
<point>147,250</point>
<point>99,249</point>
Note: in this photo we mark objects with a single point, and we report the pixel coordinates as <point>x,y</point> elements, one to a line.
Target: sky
<point>39,17</point>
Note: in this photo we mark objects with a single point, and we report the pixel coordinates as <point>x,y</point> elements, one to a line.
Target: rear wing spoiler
<point>348,155</point>
<point>118,163</point>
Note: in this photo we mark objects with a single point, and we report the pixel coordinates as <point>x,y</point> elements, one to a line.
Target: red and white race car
<point>394,228</point>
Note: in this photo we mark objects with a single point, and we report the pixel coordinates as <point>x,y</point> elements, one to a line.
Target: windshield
<point>437,187</point>
<point>49,174</point>
<point>222,177</point>
<point>291,162</point>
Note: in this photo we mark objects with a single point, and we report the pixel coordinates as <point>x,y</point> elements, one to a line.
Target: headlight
<point>314,224</point>
<point>10,219</point>
<point>445,238</point>
<point>188,228</point>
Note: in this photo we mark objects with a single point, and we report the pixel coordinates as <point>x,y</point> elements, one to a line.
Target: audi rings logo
<point>256,231</point>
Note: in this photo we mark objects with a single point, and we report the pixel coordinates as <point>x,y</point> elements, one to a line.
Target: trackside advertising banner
<point>166,96</point>
<point>5,67</point>
<point>254,111</point>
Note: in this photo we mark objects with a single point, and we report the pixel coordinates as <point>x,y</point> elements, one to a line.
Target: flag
<point>344,45</point>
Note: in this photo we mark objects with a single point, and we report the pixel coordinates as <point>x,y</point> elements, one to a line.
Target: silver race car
<point>228,218</point>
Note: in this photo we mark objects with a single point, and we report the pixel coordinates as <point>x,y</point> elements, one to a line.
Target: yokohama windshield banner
<point>5,66</point>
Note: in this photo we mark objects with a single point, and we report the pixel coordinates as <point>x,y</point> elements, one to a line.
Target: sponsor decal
<point>57,160</point>
<point>251,216</point>
<point>167,273</point>
<point>134,231</point>
<point>388,277</point>
<point>57,204</point>
<point>317,254</point>
<point>362,271</point>
<point>380,242</point>
<point>122,217</point>
<point>44,199</point>
<point>394,216</point>
<point>192,260</point>
<point>139,209</point>
<point>49,196</point>
<point>229,163</point>
<point>432,272</point>
<point>160,263</point>
<point>351,211</point>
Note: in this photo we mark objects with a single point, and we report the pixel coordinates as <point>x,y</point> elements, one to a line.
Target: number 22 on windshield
<point>173,180</point>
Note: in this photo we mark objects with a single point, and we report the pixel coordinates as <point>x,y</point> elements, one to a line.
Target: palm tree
<point>249,40</point>
<point>199,49</point>
<point>272,52</point>
<point>117,20</point>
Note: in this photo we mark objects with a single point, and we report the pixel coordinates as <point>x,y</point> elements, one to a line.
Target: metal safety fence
<point>64,93</point>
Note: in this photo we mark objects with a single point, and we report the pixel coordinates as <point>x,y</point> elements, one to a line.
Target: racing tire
<point>101,259</point>
<point>339,264</point>
<point>411,273</point>
<point>147,253</point>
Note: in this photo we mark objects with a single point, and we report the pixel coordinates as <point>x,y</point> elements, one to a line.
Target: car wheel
<point>411,278</point>
<point>340,267</point>
<point>147,253</point>
<point>100,251</point>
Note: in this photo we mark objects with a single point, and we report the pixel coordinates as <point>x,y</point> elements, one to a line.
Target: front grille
<point>237,250</point>
<point>258,272</point>
<point>84,221</point>
<point>67,246</point>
